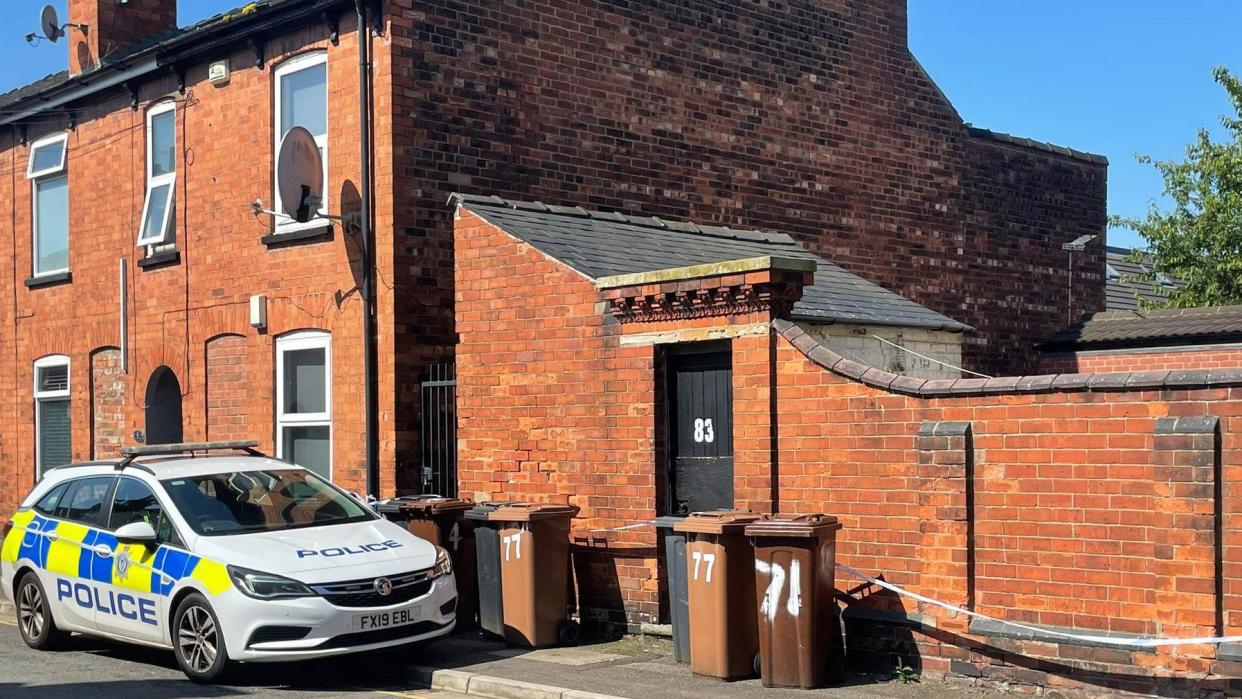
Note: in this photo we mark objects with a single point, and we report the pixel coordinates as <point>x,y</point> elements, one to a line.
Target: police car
<point>221,558</point>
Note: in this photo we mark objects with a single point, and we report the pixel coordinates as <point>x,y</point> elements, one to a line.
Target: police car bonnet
<point>376,547</point>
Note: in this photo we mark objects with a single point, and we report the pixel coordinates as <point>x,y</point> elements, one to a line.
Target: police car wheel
<point>34,617</point>
<point>197,640</point>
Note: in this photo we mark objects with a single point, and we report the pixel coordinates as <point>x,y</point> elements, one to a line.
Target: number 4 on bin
<point>700,558</point>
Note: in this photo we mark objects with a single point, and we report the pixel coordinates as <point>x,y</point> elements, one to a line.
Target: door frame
<point>666,437</point>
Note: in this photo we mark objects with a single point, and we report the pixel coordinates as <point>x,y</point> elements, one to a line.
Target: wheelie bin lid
<point>531,511</point>
<point>519,511</point>
<point>716,522</point>
<point>425,505</point>
<point>790,525</point>
<point>483,511</point>
<point>668,521</point>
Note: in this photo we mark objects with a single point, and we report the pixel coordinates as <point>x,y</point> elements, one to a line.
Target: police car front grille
<point>364,638</point>
<point>363,593</point>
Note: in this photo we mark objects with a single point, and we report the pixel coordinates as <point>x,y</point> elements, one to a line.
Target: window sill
<point>49,280</point>
<point>160,259</point>
<point>305,236</point>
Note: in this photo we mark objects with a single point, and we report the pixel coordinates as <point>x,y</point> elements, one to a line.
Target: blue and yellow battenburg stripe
<point>70,552</point>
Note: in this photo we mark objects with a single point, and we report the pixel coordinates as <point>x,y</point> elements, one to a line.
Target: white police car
<point>220,558</point>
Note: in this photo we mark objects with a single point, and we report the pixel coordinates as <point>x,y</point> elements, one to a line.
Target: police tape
<point>626,528</point>
<point>1087,638</point>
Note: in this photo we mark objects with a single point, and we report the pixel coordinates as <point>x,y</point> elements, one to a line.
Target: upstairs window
<point>158,227</point>
<point>302,100</point>
<point>52,416</point>
<point>50,206</point>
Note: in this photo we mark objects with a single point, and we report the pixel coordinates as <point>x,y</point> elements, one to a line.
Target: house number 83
<point>703,430</point>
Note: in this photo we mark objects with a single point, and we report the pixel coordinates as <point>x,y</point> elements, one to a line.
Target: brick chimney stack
<point>112,25</point>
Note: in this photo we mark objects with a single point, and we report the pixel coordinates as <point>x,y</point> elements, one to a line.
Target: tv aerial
<point>53,30</point>
<point>299,180</point>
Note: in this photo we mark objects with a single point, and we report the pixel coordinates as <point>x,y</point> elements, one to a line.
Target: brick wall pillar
<point>945,506</point>
<point>1185,528</point>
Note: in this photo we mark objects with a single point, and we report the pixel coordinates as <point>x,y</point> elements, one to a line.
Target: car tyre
<point>34,615</point>
<point>198,641</point>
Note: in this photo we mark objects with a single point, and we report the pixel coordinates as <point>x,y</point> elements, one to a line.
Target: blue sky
<point>1116,77</point>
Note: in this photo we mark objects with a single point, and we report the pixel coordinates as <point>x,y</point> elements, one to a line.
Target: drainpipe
<point>370,349</point>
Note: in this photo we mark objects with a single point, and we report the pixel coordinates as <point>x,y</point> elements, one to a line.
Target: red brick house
<point>597,368</point>
<point>810,118</point>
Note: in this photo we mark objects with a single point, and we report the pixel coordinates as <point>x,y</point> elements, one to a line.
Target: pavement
<point>466,665</point>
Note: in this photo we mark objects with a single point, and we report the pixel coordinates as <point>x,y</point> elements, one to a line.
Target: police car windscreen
<point>244,502</point>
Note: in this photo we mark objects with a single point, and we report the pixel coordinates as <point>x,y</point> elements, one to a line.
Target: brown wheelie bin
<point>721,580</point>
<point>442,521</point>
<point>534,572</point>
<point>795,561</point>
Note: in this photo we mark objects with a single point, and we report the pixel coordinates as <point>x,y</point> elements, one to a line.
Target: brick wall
<point>1092,509</point>
<point>107,404</point>
<point>230,386</point>
<point>1095,504</point>
<point>1154,359</point>
<point>810,117</point>
<point>191,315</point>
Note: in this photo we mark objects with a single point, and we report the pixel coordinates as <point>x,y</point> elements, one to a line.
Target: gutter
<point>87,89</point>
<point>207,38</point>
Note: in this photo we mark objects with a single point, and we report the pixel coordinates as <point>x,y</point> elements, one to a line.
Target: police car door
<point>71,567</point>
<point>133,608</point>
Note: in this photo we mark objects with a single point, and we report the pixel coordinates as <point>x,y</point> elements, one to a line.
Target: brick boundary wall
<point>1102,507</point>
<point>1067,501</point>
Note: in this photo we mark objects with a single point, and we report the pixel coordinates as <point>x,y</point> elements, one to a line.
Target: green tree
<point>1199,240</point>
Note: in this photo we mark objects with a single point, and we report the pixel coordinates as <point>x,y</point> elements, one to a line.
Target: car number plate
<point>389,619</point>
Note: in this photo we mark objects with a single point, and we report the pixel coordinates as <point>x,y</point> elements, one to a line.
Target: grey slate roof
<point>1123,290</point>
<point>600,244</point>
<point>1166,326</point>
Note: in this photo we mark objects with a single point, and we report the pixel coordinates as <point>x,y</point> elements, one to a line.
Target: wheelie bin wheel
<point>568,632</point>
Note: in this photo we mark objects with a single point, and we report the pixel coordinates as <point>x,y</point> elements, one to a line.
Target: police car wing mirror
<point>136,533</point>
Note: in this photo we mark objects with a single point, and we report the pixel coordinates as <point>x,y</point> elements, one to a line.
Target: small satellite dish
<point>299,175</point>
<point>50,23</point>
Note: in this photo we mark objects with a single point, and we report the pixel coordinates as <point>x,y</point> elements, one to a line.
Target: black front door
<point>701,415</point>
<point>163,407</point>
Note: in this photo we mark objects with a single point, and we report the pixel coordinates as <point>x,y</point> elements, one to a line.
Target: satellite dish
<point>50,24</point>
<point>299,175</point>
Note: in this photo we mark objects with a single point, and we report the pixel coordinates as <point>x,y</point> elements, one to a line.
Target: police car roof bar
<point>128,454</point>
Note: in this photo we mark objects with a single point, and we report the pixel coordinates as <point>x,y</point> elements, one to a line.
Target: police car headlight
<point>267,586</point>
<point>444,563</point>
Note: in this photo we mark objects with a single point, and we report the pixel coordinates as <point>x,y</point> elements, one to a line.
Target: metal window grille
<point>439,430</point>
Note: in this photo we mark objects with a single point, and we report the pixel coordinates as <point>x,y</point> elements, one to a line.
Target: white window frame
<point>303,340</point>
<point>35,176</point>
<point>40,396</point>
<point>294,65</point>
<point>153,181</point>
<point>63,139</point>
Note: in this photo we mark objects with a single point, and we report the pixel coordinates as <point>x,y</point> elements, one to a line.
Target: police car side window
<point>47,505</point>
<point>87,502</point>
<point>134,501</point>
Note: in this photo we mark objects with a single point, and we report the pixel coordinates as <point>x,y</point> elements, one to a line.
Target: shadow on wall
<point>601,603</point>
<point>879,632</point>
